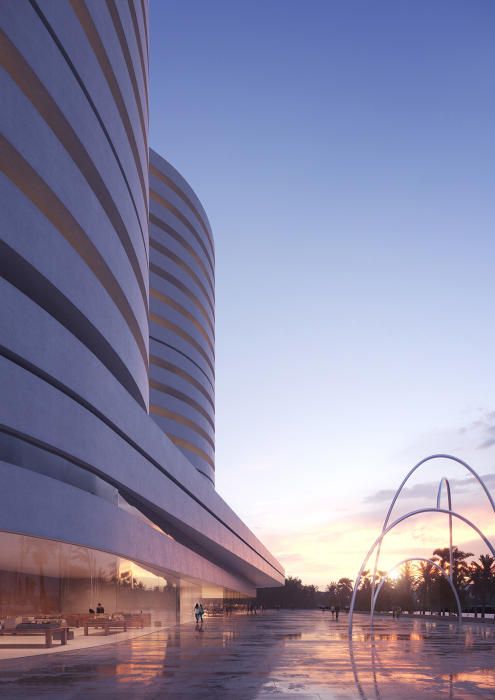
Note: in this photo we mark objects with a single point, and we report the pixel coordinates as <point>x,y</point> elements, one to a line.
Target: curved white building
<point>182,316</point>
<point>107,335</point>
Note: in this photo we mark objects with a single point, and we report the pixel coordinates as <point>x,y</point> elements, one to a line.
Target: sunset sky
<point>344,153</point>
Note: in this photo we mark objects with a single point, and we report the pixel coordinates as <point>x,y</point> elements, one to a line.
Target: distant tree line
<point>419,586</point>
<point>294,594</point>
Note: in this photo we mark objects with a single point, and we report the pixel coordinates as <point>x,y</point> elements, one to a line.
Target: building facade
<point>182,316</point>
<point>107,336</point>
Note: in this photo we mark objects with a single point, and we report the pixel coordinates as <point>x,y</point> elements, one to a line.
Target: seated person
<point>91,611</point>
<point>100,609</point>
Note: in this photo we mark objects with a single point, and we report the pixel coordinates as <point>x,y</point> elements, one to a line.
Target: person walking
<point>201,612</point>
<point>196,613</point>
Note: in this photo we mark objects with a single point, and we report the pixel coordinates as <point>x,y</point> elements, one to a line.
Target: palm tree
<point>385,600</point>
<point>482,576</point>
<point>460,568</point>
<point>310,594</point>
<point>404,588</point>
<point>363,595</point>
<point>425,581</point>
<point>332,592</point>
<point>365,581</point>
<point>459,574</point>
<point>344,591</point>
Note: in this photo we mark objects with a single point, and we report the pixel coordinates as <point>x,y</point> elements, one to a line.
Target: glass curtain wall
<point>48,578</point>
<point>43,577</point>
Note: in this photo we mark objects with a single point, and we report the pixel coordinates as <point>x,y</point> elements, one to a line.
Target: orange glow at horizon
<point>337,548</point>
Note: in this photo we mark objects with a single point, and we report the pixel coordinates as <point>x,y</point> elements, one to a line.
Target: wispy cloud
<point>487,430</point>
<point>484,427</point>
<point>430,488</point>
<point>489,440</point>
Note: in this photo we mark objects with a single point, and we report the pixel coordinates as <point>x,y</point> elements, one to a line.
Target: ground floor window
<point>50,579</point>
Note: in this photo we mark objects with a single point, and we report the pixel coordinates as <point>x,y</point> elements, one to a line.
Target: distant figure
<point>332,610</point>
<point>337,610</point>
<point>196,612</point>
<point>201,612</point>
<point>100,609</point>
<point>91,611</point>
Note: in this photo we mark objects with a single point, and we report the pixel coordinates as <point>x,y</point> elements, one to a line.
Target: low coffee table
<point>38,630</point>
<point>107,625</point>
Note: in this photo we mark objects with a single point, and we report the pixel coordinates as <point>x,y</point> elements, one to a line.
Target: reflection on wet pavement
<point>301,654</point>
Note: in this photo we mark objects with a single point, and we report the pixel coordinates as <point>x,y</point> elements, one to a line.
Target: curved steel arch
<point>437,567</point>
<point>445,481</point>
<point>428,459</point>
<point>405,480</point>
<point>384,532</point>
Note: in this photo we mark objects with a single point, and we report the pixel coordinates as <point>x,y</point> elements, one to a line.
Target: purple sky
<point>344,152</point>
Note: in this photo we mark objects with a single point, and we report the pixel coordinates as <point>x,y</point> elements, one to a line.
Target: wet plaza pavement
<point>301,654</point>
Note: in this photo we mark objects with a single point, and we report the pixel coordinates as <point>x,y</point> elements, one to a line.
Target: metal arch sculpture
<point>445,481</point>
<point>450,512</point>
<point>406,479</point>
<point>434,564</point>
<point>380,538</point>
<point>428,459</point>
